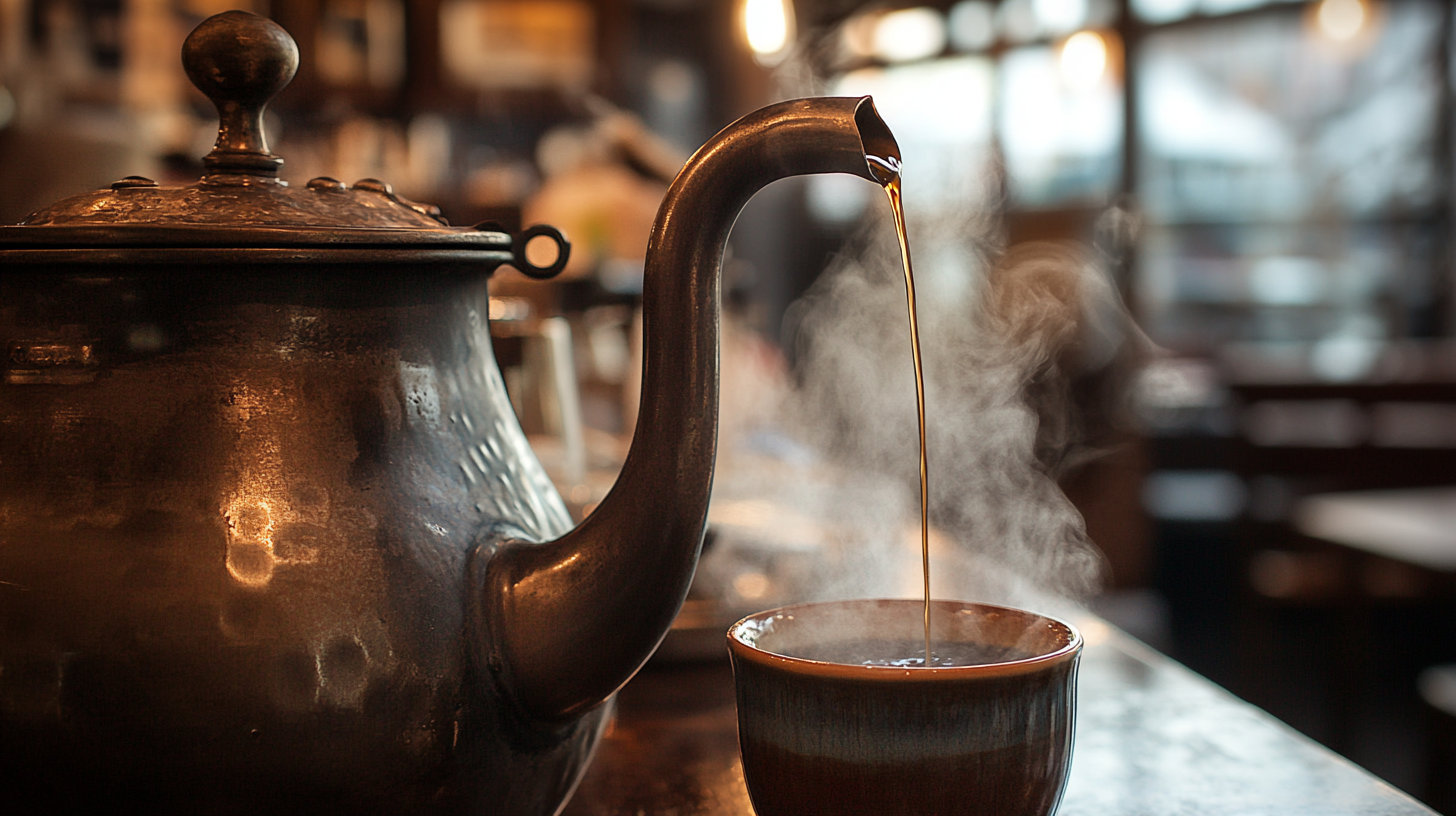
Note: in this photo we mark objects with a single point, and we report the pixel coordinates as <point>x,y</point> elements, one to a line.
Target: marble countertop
<point>1153,739</point>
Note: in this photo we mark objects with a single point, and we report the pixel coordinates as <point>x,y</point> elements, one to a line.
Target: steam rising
<point>1008,338</point>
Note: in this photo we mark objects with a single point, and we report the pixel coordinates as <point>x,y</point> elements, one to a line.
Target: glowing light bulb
<point>769,25</point>
<point>1341,20</point>
<point>1083,59</point>
<point>910,34</point>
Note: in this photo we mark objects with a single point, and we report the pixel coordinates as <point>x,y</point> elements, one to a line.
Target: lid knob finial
<point>241,61</point>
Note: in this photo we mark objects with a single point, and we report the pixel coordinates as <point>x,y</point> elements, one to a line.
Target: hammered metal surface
<point>260,205</point>
<point>271,538</point>
<point>235,563</point>
<point>240,61</point>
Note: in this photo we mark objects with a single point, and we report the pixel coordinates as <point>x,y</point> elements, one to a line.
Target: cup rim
<point>900,674</point>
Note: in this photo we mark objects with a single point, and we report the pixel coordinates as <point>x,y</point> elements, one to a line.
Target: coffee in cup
<point>838,714</point>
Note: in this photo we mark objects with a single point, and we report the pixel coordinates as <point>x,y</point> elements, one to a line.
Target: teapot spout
<point>573,619</point>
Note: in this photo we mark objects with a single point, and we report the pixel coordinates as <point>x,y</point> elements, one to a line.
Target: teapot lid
<point>241,61</point>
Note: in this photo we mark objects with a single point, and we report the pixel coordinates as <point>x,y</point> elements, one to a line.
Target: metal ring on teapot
<point>524,237</point>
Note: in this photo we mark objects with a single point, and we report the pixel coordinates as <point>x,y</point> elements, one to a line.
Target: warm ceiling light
<point>769,25</point>
<point>1084,59</point>
<point>1342,20</point>
<point>910,34</point>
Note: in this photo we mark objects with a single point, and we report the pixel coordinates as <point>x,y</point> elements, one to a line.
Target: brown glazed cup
<point>823,733</point>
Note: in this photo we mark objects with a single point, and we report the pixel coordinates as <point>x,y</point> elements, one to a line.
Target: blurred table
<point>1416,526</point>
<point>1152,739</point>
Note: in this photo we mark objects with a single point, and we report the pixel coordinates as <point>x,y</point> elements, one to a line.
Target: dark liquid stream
<point>886,170</point>
<point>892,189</point>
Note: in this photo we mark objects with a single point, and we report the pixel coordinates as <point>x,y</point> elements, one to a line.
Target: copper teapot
<point>271,538</point>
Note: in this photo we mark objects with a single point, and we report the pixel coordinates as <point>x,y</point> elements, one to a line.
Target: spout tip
<point>882,153</point>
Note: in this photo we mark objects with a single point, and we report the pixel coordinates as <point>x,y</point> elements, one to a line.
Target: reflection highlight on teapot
<point>250,556</point>
<point>252,552</point>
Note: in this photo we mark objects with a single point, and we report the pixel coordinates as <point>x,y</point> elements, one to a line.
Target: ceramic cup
<point>823,733</point>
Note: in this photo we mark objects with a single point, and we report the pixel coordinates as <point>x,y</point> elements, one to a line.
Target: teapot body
<point>242,514</point>
<point>271,537</point>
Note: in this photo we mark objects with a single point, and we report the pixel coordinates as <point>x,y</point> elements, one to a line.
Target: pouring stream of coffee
<point>887,172</point>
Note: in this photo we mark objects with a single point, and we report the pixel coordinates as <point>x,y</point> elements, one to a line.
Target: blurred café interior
<point>1243,375</point>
